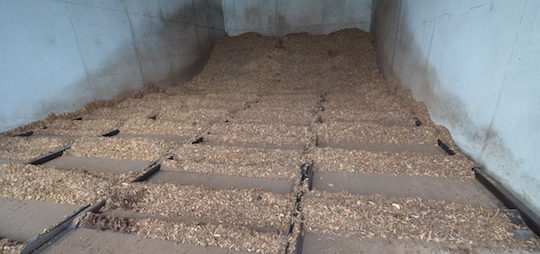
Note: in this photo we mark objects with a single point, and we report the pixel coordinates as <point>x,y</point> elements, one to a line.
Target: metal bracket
<point>508,199</point>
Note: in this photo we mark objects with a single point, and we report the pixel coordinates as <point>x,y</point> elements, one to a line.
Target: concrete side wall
<point>475,64</point>
<point>280,17</point>
<point>58,55</point>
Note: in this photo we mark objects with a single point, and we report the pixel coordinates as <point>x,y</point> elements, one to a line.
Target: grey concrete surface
<point>332,244</point>
<point>475,65</point>
<point>392,148</point>
<point>222,181</point>
<point>6,161</point>
<point>24,220</point>
<point>155,136</point>
<point>102,165</point>
<point>59,55</point>
<point>280,17</point>
<point>84,241</point>
<point>465,191</point>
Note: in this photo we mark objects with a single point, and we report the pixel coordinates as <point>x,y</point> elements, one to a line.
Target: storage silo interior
<point>269,126</point>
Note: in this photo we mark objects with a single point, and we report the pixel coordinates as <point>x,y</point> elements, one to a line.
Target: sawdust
<point>122,148</point>
<point>375,133</point>
<point>381,117</point>
<point>245,97</point>
<point>411,219</point>
<point>287,102</point>
<point>121,113</point>
<point>376,98</point>
<point>79,128</point>
<point>67,186</point>
<point>202,234</point>
<point>275,116</point>
<point>228,160</point>
<point>198,116</point>
<point>154,101</point>
<point>22,148</point>
<point>8,246</point>
<point>239,207</point>
<point>159,127</point>
<point>278,134</point>
<point>404,163</point>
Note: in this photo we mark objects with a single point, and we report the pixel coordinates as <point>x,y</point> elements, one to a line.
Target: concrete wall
<point>57,55</point>
<point>280,17</point>
<point>476,65</point>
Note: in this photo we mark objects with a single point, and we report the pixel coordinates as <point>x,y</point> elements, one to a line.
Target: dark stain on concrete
<point>120,76</point>
<point>443,105</point>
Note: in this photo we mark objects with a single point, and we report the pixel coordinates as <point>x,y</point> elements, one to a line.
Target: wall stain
<point>484,143</point>
<point>117,77</point>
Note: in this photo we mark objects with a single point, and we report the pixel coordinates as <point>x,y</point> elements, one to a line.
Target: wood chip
<point>63,127</point>
<point>411,219</point>
<point>21,148</point>
<point>404,163</point>
<point>259,133</point>
<point>122,148</point>
<point>238,207</point>
<point>229,160</point>
<point>67,186</point>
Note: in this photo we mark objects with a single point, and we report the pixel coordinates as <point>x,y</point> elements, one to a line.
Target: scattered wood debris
<point>28,148</point>
<point>122,148</point>
<point>411,219</point>
<point>67,186</point>
<point>404,163</point>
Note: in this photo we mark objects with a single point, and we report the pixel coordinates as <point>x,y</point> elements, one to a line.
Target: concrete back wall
<point>280,17</point>
<point>58,55</point>
<point>475,64</point>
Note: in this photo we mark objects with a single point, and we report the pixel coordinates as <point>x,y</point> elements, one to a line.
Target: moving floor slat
<point>103,165</point>
<point>467,191</point>
<point>328,243</point>
<point>84,241</point>
<point>223,181</point>
<point>24,220</point>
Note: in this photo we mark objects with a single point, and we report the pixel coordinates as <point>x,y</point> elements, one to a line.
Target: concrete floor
<point>242,130</point>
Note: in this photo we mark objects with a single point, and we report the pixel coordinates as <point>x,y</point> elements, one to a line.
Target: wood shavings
<point>229,160</point>
<point>8,246</point>
<point>239,207</point>
<point>258,133</point>
<point>79,128</point>
<point>380,116</point>
<point>19,148</point>
<point>68,186</point>
<point>202,234</point>
<point>159,127</point>
<point>273,116</point>
<point>405,163</point>
<point>192,115</point>
<point>415,219</point>
<point>373,133</point>
<point>121,113</point>
<point>122,148</point>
